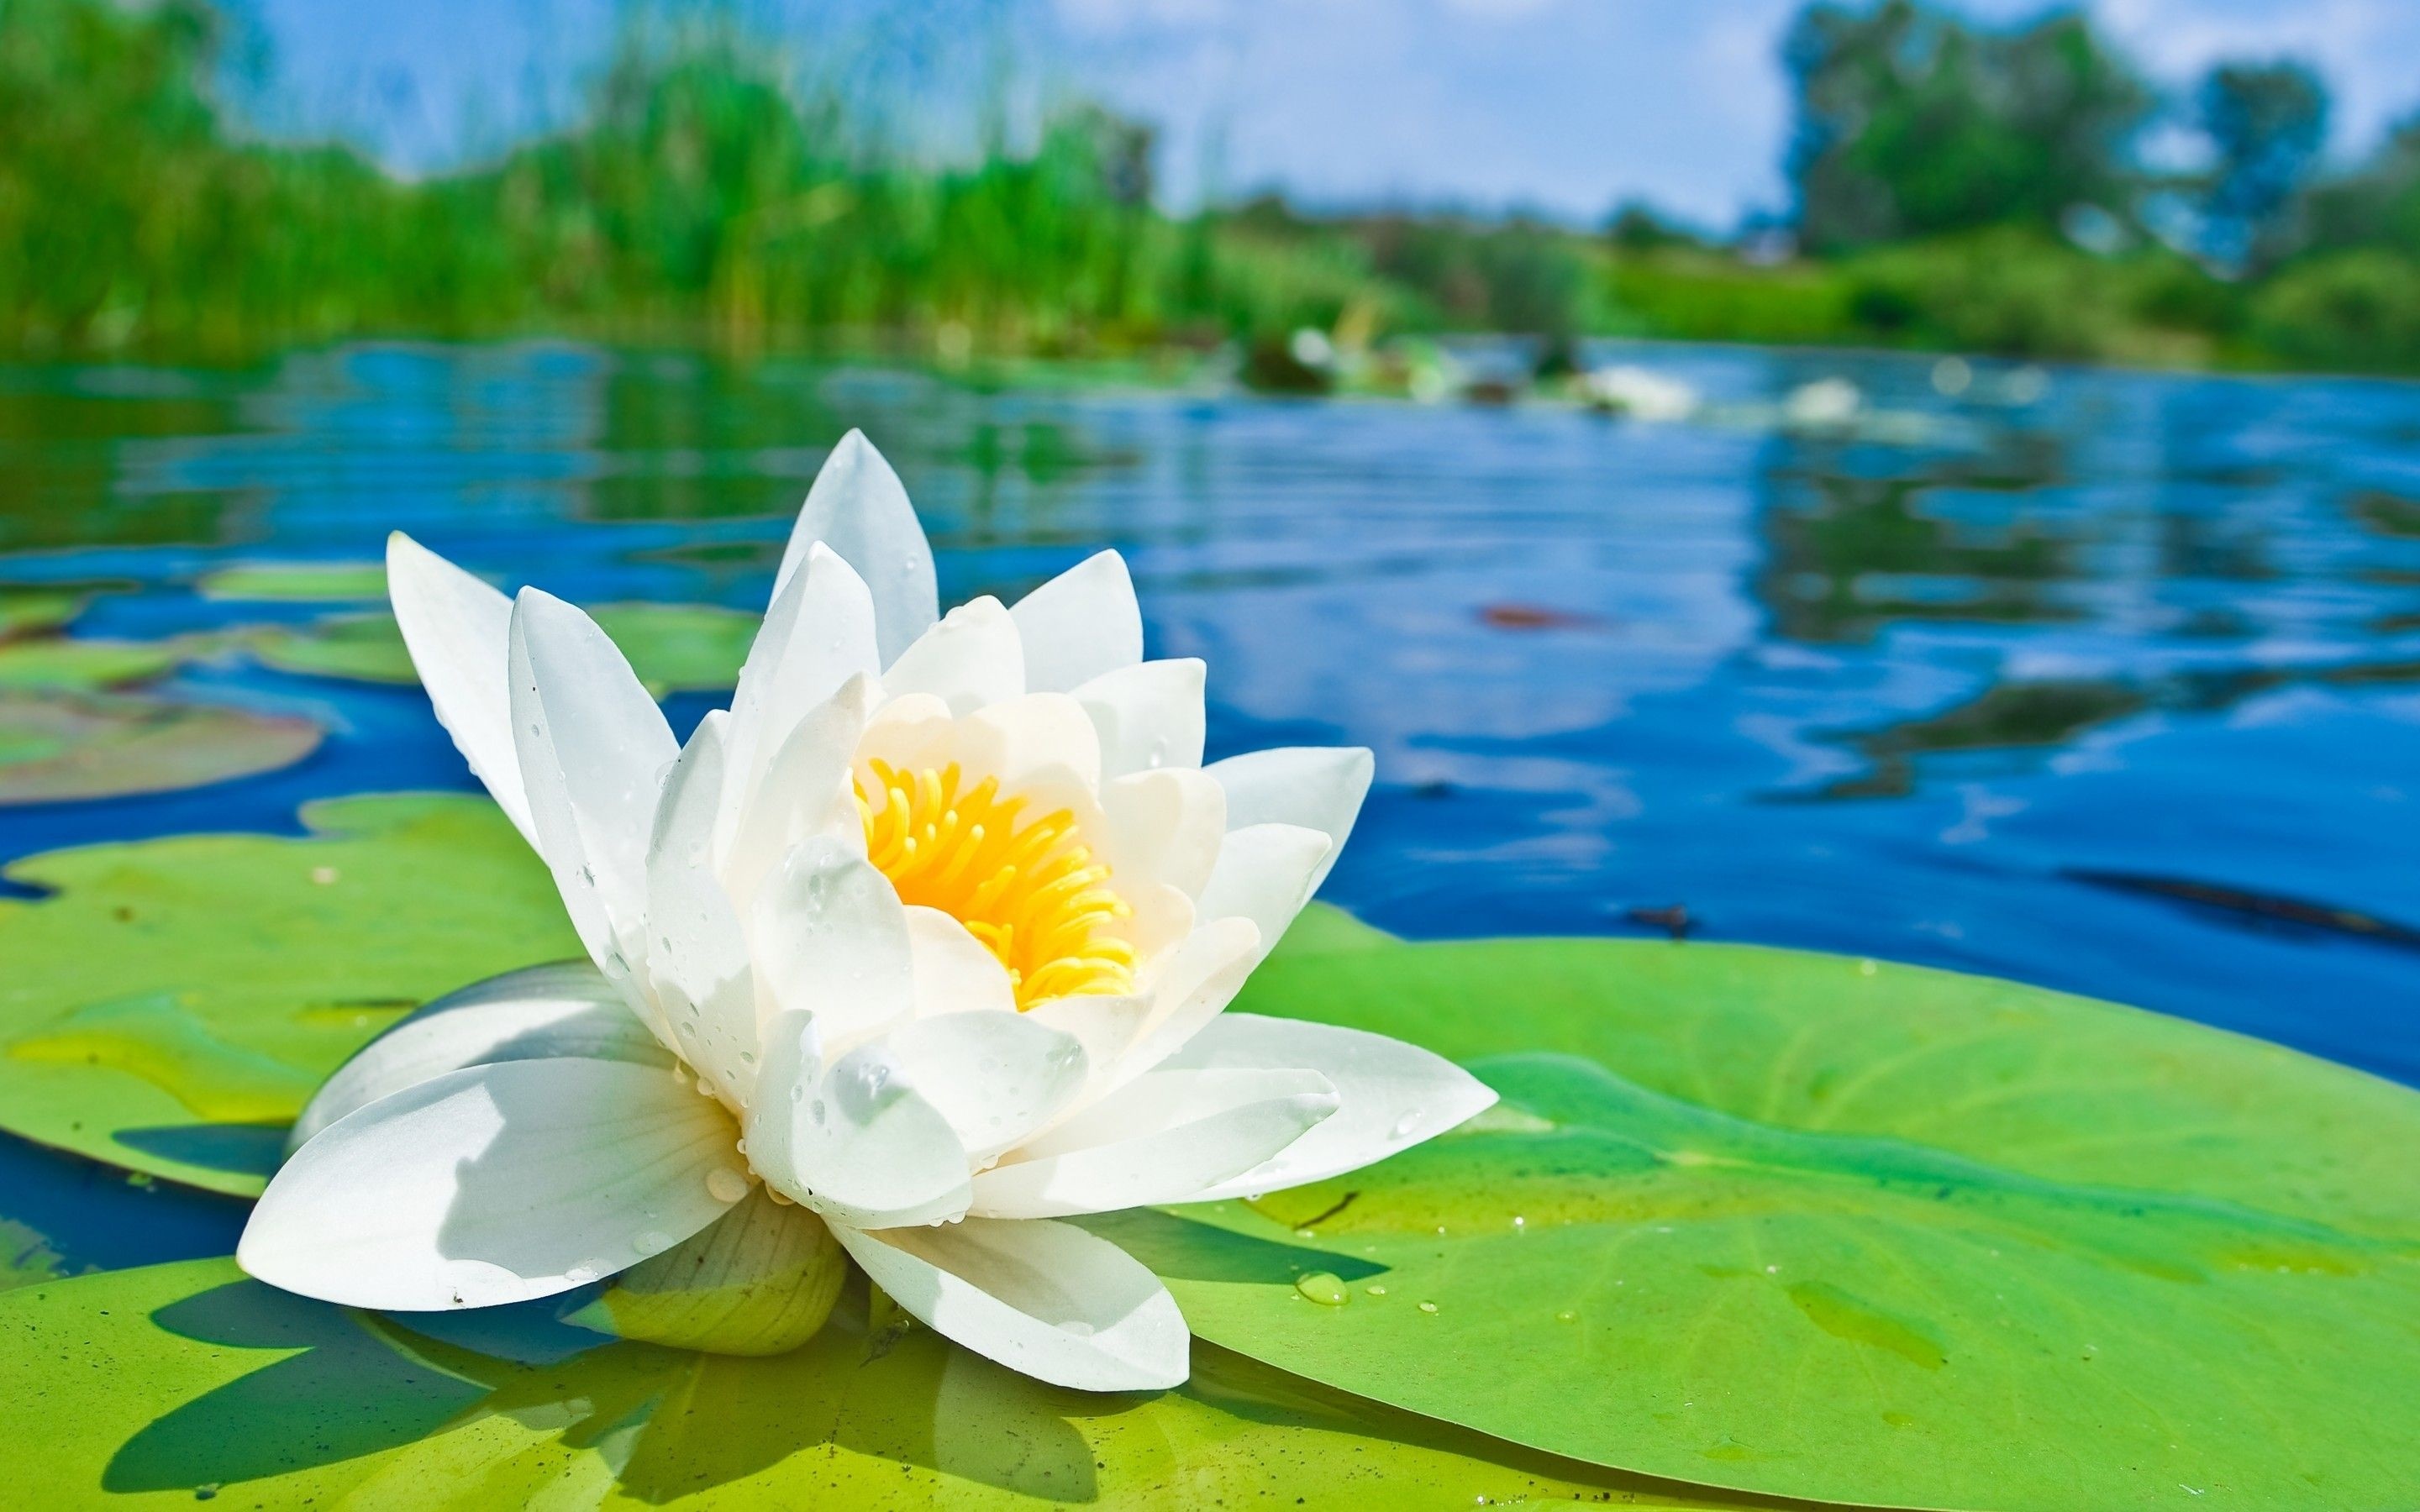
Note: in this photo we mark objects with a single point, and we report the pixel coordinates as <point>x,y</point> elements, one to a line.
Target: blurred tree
<point>1912,123</point>
<point>1635,225</point>
<point>2379,204</point>
<point>2267,122</point>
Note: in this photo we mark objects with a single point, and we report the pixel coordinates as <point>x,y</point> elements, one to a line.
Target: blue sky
<point>1566,105</point>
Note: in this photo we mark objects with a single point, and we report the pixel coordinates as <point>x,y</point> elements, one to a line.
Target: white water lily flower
<point>940,916</point>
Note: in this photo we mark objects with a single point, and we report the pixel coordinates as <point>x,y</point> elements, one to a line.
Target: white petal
<point>953,973</point>
<point>491,1185</point>
<point>1033,741</point>
<point>1265,873</point>
<point>1394,1095</point>
<point>1046,1299</point>
<point>531,1014</point>
<point>1318,787</point>
<point>908,733</point>
<point>859,509</point>
<point>697,962</point>
<point>1167,825</point>
<point>968,660</point>
<point>1148,715</point>
<point>831,940</point>
<point>1167,1136</point>
<point>1080,625</point>
<point>1107,1026</point>
<point>858,1143</point>
<point>1190,987</point>
<point>996,1077</point>
<point>818,634</point>
<point>593,750</point>
<point>456,629</point>
<point>802,793</point>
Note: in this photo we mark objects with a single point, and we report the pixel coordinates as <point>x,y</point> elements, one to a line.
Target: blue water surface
<point>2105,681</point>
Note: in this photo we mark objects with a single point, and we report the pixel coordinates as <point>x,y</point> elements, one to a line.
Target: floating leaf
<point>366,647</point>
<point>672,647</point>
<point>27,610</point>
<point>1822,1228</point>
<point>55,747</point>
<point>158,1385</point>
<point>59,663</point>
<point>295,582</point>
<point>174,1004</point>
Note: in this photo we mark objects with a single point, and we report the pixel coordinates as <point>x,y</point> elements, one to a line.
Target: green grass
<point>704,197</point>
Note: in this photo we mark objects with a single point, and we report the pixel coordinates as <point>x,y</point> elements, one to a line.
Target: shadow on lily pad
<point>1178,1249</point>
<point>346,1396</point>
<point>366,1385</point>
<point>250,1149</point>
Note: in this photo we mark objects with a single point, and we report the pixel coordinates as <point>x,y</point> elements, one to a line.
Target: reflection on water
<point>2106,683</point>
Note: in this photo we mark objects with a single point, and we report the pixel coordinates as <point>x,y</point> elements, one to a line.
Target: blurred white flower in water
<point>1824,404</point>
<point>940,917</point>
<point>1639,393</point>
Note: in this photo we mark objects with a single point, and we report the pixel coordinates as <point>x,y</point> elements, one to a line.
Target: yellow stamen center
<point>1027,888</point>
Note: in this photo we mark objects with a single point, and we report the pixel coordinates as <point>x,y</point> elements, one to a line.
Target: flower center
<point>1027,888</point>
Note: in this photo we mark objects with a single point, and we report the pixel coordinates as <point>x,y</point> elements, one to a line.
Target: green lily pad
<point>56,747</point>
<point>158,1386</point>
<point>30,611</point>
<point>295,582</point>
<point>58,662</point>
<point>174,1002</point>
<point>672,647</point>
<point>1823,1228</point>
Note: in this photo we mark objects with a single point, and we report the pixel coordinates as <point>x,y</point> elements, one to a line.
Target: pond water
<point>2105,681</point>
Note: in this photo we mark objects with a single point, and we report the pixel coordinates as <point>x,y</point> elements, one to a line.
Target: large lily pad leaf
<point>176,1001</point>
<point>81,665</point>
<point>295,582</point>
<point>28,610</point>
<point>57,745</point>
<point>1850,1232</point>
<point>159,1385</point>
<point>672,647</point>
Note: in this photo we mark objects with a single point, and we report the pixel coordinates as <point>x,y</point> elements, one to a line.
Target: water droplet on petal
<point>725,1185</point>
<point>1324,1288</point>
<point>580,1273</point>
<point>1567,1316</point>
<point>1375,1290</point>
<point>1428,1308</point>
<point>1404,1125</point>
